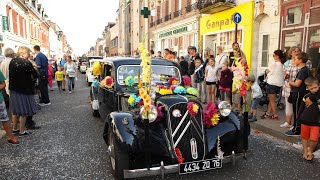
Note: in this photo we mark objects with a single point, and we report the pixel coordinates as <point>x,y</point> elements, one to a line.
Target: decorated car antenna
<point>144,92</point>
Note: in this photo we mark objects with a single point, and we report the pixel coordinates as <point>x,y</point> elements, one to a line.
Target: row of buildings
<point>25,23</point>
<point>266,25</point>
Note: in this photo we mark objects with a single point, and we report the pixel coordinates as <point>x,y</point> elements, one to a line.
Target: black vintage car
<point>139,147</point>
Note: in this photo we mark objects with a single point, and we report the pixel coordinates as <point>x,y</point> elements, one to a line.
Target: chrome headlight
<point>224,108</point>
<point>152,115</point>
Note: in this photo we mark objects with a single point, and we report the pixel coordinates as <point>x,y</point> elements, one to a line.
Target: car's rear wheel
<point>119,160</point>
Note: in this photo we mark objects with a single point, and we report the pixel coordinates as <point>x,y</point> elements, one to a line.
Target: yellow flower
<point>165,91</point>
<point>174,82</point>
<point>131,100</point>
<point>215,119</point>
<point>195,108</point>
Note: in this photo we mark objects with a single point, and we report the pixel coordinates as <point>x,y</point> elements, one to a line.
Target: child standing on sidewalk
<point>3,113</point>
<point>225,83</point>
<point>59,78</point>
<point>211,79</point>
<point>256,95</point>
<point>199,79</point>
<point>309,117</point>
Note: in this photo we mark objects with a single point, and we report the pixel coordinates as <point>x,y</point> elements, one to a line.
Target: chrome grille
<point>187,133</point>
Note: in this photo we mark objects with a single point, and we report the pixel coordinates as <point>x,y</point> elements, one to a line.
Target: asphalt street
<point>70,146</point>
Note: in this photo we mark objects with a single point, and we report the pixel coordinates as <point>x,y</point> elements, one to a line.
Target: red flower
<point>208,113</point>
<point>171,80</point>
<point>180,159</point>
<point>109,81</point>
<point>186,80</point>
<point>160,113</point>
<point>243,89</point>
<point>140,103</point>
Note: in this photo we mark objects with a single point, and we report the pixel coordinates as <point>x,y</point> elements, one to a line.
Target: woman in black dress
<point>22,101</point>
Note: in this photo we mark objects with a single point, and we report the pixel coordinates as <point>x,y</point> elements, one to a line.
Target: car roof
<point>117,61</point>
<point>100,60</point>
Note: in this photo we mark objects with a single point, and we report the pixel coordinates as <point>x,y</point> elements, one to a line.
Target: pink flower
<point>186,80</point>
<point>160,113</point>
<point>191,111</point>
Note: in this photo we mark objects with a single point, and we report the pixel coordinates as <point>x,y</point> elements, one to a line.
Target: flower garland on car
<point>211,115</point>
<point>134,100</point>
<point>180,159</point>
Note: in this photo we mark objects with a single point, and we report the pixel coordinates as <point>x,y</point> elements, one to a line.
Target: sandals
<point>274,117</point>
<point>265,116</point>
<point>308,159</point>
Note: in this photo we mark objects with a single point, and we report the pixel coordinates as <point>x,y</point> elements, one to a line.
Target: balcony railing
<point>210,7</point>
<point>192,7</point>
<point>177,13</point>
<point>167,17</point>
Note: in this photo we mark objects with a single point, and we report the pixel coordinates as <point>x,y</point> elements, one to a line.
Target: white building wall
<point>266,23</point>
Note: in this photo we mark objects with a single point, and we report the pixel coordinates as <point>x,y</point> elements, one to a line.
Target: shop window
<point>265,50</point>
<point>314,47</point>
<point>292,39</point>
<point>294,15</point>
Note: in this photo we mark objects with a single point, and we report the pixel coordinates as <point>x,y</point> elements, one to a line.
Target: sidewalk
<point>272,127</point>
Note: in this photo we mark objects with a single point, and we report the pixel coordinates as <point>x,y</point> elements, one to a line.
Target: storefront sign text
<point>219,23</point>
<point>173,32</point>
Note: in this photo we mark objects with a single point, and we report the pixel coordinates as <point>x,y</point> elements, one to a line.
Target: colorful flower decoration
<point>180,90</point>
<point>134,100</point>
<point>146,99</point>
<point>173,81</point>
<point>186,80</point>
<point>180,159</point>
<point>109,82</point>
<point>193,109</point>
<point>164,92</point>
<point>243,89</point>
<point>211,115</point>
<point>193,91</point>
<point>145,63</point>
<point>129,81</point>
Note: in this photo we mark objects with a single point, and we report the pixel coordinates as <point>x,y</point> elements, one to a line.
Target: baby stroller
<point>264,100</point>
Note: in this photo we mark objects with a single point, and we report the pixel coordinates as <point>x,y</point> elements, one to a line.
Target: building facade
<point>300,26</point>
<point>265,34</point>
<point>108,38</point>
<point>124,36</point>
<point>55,34</point>
<point>14,24</point>
<point>175,26</point>
<point>114,36</point>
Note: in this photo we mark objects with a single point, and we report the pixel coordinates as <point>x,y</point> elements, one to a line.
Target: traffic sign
<point>237,18</point>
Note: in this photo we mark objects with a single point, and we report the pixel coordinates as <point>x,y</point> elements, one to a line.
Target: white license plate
<point>198,166</point>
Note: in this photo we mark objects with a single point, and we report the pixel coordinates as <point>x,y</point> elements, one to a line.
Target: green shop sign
<point>174,32</point>
<point>5,23</point>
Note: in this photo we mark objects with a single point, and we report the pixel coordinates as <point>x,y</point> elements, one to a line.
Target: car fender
<point>123,127</point>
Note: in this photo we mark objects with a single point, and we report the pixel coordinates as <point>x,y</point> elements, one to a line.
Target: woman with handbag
<point>70,70</point>
<point>22,101</point>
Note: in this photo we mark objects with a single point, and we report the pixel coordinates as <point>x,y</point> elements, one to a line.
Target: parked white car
<point>89,74</point>
<point>83,67</point>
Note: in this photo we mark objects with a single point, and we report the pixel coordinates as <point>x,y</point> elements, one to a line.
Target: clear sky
<point>82,21</point>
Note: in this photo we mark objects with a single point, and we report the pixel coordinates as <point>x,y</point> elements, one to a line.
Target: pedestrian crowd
<point>23,74</point>
<point>289,75</point>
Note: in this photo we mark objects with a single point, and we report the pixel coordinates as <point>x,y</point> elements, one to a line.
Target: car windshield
<point>160,74</point>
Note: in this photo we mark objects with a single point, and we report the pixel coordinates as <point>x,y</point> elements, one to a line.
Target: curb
<point>274,133</point>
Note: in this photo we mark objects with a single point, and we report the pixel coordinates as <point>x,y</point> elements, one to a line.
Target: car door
<point>106,95</point>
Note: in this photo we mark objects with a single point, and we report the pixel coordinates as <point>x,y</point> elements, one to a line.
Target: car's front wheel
<point>119,160</point>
